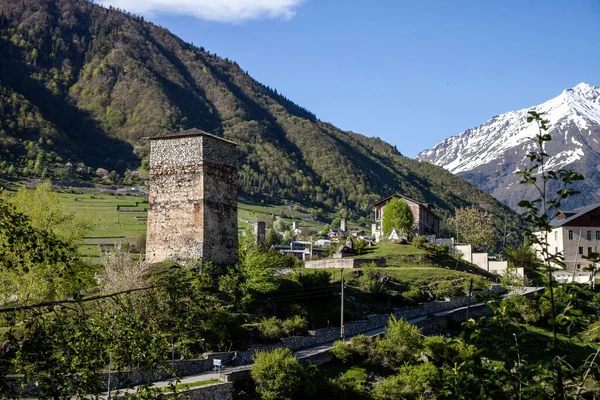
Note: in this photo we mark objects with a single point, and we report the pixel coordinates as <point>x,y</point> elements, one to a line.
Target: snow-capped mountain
<point>489,155</point>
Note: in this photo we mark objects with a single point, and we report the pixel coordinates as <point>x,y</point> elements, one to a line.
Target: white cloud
<point>212,10</point>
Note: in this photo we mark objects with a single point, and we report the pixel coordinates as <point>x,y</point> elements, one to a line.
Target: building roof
<point>571,215</point>
<point>188,133</point>
<point>426,205</point>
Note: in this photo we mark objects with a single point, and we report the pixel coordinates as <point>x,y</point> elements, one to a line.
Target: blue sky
<point>409,72</point>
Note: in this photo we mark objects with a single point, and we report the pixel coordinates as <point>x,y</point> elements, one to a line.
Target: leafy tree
<point>474,226</point>
<point>397,215</point>
<point>273,238</point>
<point>45,210</point>
<point>35,265</point>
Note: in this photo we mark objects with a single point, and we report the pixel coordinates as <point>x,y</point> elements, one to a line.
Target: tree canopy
<point>397,215</point>
<point>474,226</point>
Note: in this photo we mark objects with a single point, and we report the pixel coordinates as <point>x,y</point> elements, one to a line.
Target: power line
<point>74,301</point>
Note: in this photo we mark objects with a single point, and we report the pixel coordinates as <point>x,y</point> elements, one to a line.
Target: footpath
<point>319,352</point>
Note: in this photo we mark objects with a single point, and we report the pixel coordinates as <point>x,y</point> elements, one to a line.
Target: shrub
<point>527,310</point>
<point>439,350</point>
<point>419,241</point>
<point>353,383</point>
<point>412,382</point>
<point>401,343</point>
<point>413,294</point>
<point>310,279</point>
<point>361,345</point>
<point>373,281</point>
<point>442,249</point>
<point>277,374</point>
<point>295,326</point>
<point>342,351</point>
<point>271,328</point>
<point>445,289</point>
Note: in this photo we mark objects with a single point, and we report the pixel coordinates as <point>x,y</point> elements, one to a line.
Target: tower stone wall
<point>192,199</point>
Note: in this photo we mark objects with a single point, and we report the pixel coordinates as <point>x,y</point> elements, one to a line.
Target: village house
<point>426,221</point>
<point>575,234</point>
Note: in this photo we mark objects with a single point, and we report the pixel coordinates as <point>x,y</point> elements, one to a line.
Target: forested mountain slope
<point>81,86</point>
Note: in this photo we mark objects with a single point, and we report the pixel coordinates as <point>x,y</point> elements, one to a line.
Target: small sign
<point>216,362</point>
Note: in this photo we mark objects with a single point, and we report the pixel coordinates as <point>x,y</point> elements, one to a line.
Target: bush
<point>271,328</point>
<point>401,343</point>
<point>442,249</point>
<point>439,350</point>
<point>412,382</point>
<point>277,374</point>
<point>314,278</point>
<point>373,281</point>
<point>295,326</point>
<point>342,351</point>
<point>413,294</point>
<point>419,241</point>
<point>353,383</point>
<point>361,345</point>
<point>445,289</point>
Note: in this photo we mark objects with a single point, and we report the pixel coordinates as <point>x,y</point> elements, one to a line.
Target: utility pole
<point>342,331</point>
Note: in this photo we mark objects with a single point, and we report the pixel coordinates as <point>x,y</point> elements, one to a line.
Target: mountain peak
<point>490,154</point>
<point>584,91</point>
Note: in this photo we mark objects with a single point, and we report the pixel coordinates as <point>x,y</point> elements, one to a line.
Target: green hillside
<point>82,86</point>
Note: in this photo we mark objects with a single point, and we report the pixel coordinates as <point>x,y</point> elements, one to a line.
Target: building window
<point>570,235</point>
<point>555,235</point>
<point>589,235</point>
<point>581,250</point>
<point>597,235</point>
<point>589,250</point>
<point>556,250</point>
<point>578,267</point>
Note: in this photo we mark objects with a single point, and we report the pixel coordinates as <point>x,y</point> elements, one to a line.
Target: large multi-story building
<point>575,234</point>
<point>426,222</point>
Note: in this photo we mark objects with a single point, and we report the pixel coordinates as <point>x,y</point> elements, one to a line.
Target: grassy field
<point>113,227</point>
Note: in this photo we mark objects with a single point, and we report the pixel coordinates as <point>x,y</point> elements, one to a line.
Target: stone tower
<point>192,199</point>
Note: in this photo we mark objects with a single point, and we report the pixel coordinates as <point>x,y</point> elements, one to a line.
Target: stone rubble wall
<point>217,391</point>
<point>345,263</point>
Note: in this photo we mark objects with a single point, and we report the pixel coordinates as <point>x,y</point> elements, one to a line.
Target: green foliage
<point>45,210</point>
<point>342,351</point>
<point>400,344</point>
<point>35,265</point>
<point>419,241</point>
<point>279,375</point>
<point>373,280</point>
<point>312,278</point>
<point>523,256</point>
<point>271,328</point>
<point>474,226</point>
<point>397,215</point>
<point>352,384</point>
<point>412,382</point>
<point>414,294</point>
<point>295,326</point>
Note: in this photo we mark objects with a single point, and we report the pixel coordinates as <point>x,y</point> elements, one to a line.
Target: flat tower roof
<point>188,133</point>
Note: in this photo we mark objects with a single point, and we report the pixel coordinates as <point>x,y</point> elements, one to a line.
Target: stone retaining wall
<point>345,263</point>
<point>217,391</point>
